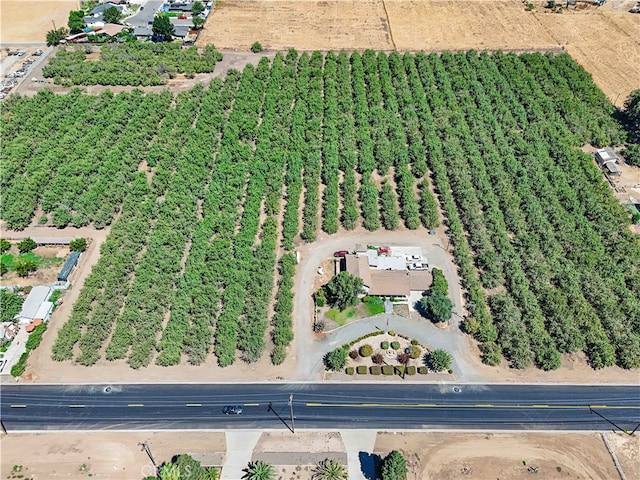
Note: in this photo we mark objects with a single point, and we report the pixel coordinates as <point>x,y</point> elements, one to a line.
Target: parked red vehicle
<point>340,253</point>
<point>182,17</point>
<point>383,250</point>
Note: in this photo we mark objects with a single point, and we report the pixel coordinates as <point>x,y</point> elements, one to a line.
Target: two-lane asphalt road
<point>320,405</point>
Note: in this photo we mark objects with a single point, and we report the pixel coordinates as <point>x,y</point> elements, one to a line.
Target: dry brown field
<point>28,21</point>
<point>605,40</point>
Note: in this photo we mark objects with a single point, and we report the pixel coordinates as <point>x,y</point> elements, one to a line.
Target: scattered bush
<point>384,345</point>
<point>256,47</point>
<point>392,333</point>
<point>336,359</point>
<point>361,369</point>
<point>375,370</point>
<point>377,358</point>
<point>395,345</point>
<point>411,370</point>
<point>387,369</point>
<point>78,245</point>
<point>416,351</point>
<point>354,354</point>
<point>399,369</point>
<point>423,370</point>
<point>439,360</point>
<point>4,245</point>
<point>348,370</point>
<point>366,350</point>
<point>415,342</point>
<point>26,245</point>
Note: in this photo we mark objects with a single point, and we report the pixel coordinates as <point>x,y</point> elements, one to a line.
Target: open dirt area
<point>435,455</point>
<point>446,456</point>
<point>28,21</point>
<point>605,40</point>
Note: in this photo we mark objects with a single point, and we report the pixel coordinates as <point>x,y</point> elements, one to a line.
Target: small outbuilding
<point>607,159</point>
<point>68,266</point>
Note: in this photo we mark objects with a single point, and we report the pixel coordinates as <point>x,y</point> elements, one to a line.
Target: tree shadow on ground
<point>369,465</point>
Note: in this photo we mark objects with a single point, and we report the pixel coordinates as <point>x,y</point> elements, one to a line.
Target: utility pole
<point>293,426</point>
<point>145,448</point>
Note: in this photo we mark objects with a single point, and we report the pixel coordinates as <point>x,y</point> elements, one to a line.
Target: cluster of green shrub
<point>35,337</point>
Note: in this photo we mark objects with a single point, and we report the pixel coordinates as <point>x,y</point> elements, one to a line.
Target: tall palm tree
<point>329,470</point>
<point>259,471</point>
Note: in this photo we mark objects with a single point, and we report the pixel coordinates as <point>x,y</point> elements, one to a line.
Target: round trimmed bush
<point>349,370</point>
<point>415,351</point>
<point>384,345</point>
<point>366,350</point>
<point>395,345</point>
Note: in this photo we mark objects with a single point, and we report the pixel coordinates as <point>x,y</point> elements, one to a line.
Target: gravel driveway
<point>310,349</point>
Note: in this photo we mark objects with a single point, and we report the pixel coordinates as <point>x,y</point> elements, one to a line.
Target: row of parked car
<point>6,86</point>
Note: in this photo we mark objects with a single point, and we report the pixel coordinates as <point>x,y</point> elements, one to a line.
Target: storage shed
<point>71,262</point>
<point>31,306</point>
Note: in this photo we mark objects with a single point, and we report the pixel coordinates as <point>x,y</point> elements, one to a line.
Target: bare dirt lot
<point>605,40</point>
<point>436,455</point>
<point>28,21</point>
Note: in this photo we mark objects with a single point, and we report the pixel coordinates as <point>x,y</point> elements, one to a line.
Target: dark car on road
<point>232,410</point>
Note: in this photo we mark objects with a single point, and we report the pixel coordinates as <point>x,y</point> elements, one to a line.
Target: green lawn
<point>9,260</point>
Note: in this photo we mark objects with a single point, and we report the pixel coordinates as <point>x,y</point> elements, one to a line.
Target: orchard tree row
<point>213,188</point>
<point>130,63</point>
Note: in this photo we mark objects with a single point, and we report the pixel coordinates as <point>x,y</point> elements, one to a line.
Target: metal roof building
<point>32,304</point>
<point>71,262</point>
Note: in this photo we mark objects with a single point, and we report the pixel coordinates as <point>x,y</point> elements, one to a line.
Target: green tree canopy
<point>197,8</point>
<point>336,359</point>
<point>78,245</point>
<point>112,15</point>
<point>76,21</point>
<point>437,306</point>
<point>259,471</point>
<point>26,245</point>
<point>342,290</point>
<point>439,360</point>
<point>10,305</point>
<point>632,112</point>
<point>4,245</point>
<point>394,467</point>
<point>440,283</point>
<point>162,26</point>
<point>198,22</point>
<point>23,266</point>
<point>55,36</point>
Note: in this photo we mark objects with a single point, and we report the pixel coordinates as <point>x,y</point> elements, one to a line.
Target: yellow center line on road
<point>476,405</point>
<point>76,406</point>
<point>19,406</point>
<point>136,405</point>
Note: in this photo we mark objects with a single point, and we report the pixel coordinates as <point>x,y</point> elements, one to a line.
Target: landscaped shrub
<point>399,369</point>
<point>377,358</point>
<point>336,359</point>
<point>354,354</point>
<point>392,333</point>
<point>411,370</point>
<point>375,370</point>
<point>423,370</point>
<point>387,369</point>
<point>395,345</point>
<point>366,350</point>
<point>20,366</point>
<point>439,360</point>
<point>361,369</point>
<point>416,351</point>
<point>384,345</point>
<point>414,342</point>
<point>348,370</point>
